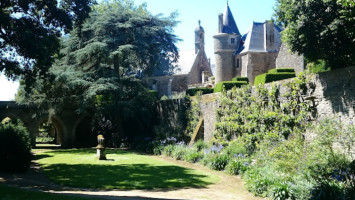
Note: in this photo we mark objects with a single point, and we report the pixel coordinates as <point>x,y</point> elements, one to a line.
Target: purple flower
<point>246,164</point>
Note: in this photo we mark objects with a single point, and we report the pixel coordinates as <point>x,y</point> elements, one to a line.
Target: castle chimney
<point>220,23</point>
<point>269,36</point>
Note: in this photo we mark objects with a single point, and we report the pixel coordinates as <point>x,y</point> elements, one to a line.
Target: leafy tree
<point>30,30</point>
<point>97,70</point>
<point>319,29</point>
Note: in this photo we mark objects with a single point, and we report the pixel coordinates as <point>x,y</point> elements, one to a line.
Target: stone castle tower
<point>226,41</point>
<point>199,38</point>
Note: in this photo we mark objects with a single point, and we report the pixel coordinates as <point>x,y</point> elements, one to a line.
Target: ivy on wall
<point>256,113</point>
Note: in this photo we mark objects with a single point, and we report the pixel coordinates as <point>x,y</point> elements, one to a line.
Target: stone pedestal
<point>100,153</point>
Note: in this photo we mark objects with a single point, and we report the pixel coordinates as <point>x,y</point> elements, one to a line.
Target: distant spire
<point>199,22</point>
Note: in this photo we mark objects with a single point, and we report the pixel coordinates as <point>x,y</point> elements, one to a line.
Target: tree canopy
<point>30,31</point>
<point>319,29</point>
<point>97,71</point>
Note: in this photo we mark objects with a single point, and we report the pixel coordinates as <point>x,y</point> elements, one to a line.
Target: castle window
<point>238,63</point>
<point>232,40</point>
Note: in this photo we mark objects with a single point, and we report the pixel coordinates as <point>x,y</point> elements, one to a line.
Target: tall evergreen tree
<point>96,71</point>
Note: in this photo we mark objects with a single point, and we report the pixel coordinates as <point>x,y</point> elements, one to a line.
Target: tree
<point>29,33</point>
<point>319,29</point>
<point>97,70</point>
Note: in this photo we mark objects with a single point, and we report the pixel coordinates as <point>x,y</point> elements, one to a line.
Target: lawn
<point>8,193</point>
<point>122,170</point>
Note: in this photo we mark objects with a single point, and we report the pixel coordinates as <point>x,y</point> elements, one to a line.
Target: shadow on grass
<point>89,151</point>
<point>132,176</point>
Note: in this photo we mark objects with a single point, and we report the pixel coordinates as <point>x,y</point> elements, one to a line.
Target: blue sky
<point>190,11</point>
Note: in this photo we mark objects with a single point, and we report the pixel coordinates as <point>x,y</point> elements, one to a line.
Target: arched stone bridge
<point>70,127</point>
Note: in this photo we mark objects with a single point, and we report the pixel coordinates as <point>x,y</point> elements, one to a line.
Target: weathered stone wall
<point>209,105</point>
<point>286,59</point>
<point>178,83</point>
<point>334,94</point>
<point>258,63</point>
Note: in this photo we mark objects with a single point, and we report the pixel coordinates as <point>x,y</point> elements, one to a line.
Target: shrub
<point>237,166</point>
<point>228,85</point>
<point>168,150</point>
<point>240,79</point>
<point>219,161</point>
<point>153,95</point>
<point>179,152</point>
<point>281,191</point>
<point>318,66</point>
<point>268,78</point>
<point>15,148</point>
<point>203,90</point>
<point>260,79</point>
<point>200,145</point>
<point>192,155</point>
<point>257,181</point>
<point>280,70</point>
<point>236,148</point>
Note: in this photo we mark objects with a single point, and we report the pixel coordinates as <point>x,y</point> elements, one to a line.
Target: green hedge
<point>280,70</point>
<point>267,78</point>
<point>15,148</point>
<point>229,85</point>
<point>194,91</point>
<point>153,94</point>
<point>241,79</point>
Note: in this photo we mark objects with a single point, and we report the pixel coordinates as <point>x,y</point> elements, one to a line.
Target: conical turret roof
<point>229,25</point>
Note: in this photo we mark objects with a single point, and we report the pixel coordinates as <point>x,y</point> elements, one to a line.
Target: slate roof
<point>254,40</point>
<point>229,25</point>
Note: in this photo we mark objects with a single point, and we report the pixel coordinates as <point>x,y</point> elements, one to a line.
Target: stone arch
<point>59,128</point>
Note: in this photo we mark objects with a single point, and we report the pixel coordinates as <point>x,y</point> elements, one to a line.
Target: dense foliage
<point>240,79</point>
<point>273,76</point>
<point>15,148</point>
<point>227,85</point>
<point>319,29</point>
<point>203,90</point>
<point>263,137</point>
<point>30,31</point>
<point>96,71</point>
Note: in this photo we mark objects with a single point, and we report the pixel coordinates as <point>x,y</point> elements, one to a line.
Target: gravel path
<point>228,188</point>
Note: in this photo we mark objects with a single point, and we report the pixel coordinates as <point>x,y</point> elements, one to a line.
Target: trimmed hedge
<point>229,85</point>
<point>267,78</point>
<point>281,70</point>
<point>194,91</point>
<point>241,79</point>
<point>15,148</point>
<point>153,94</point>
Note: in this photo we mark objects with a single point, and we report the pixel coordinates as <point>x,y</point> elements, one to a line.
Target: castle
<point>248,55</point>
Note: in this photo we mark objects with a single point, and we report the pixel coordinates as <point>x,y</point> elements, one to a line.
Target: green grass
<point>11,193</point>
<point>124,170</point>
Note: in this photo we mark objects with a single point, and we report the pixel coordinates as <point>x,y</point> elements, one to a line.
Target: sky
<point>190,11</point>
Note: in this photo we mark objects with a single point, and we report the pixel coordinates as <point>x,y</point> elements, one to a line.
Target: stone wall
<point>178,83</point>
<point>334,94</point>
<point>286,59</point>
<point>258,63</point>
